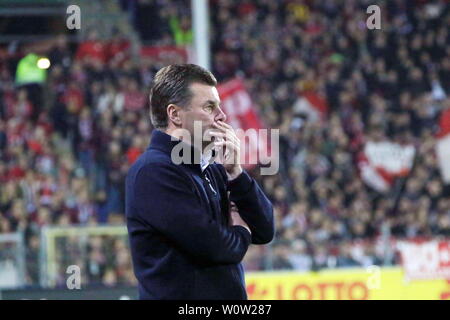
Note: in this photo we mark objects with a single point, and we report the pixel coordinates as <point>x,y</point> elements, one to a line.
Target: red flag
<point>241,114</point>
<point>380,163</point>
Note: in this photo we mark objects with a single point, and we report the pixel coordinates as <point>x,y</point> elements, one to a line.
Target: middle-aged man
<point>190,223</point>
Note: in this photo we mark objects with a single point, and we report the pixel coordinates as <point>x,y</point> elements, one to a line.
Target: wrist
<point>234,173</point>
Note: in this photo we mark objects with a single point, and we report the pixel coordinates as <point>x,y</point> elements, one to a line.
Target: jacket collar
<point>166,143</point>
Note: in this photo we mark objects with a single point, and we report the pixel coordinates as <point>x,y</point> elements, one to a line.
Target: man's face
<point>204,107</point>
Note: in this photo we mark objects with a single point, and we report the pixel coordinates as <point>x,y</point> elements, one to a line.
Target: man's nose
<point>221,115</point>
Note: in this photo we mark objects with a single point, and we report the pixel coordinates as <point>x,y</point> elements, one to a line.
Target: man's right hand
<point>236,219</point>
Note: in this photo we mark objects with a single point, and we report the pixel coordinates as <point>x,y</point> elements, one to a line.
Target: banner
<point>241,114</point>
<point>312,105</point>
<point>425,259</point>
<point>380,163</point>
<point>373,283</point>
<point>165,54</point>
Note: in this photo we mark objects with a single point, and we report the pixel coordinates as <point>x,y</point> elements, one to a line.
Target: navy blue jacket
<point>182,245</point>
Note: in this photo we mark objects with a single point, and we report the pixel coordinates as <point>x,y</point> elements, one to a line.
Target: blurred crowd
<point>387,84</point>
<point>66,145</point>
<point>104,259</point>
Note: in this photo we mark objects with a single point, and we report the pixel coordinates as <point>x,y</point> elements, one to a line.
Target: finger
<point>225,135</point>
<point>220,136</point>
<point>219,127</point>
<point>223,126</point>
<point>227,143</point>
<point>224,148</point>
<point>217,134</point>
<point>228,151</point>
<point>226,125</point>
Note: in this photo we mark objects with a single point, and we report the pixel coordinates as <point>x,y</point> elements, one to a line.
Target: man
<point>187,240</point>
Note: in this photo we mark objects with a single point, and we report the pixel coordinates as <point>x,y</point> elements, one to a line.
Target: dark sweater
<point>181,242</point>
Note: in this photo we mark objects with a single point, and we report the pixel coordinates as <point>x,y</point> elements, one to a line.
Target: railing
<point>62,247</point>
<point>101,256</point>
<point>12,260</point>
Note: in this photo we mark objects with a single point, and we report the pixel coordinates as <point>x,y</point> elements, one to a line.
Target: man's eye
<point>209,108</point>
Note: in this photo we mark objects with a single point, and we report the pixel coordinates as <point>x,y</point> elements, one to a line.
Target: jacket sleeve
<point>165,200</point>
<point>254,207</point>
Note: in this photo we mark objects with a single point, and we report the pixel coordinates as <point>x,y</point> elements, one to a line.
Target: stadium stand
<point>67,141</point>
